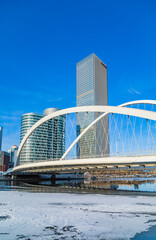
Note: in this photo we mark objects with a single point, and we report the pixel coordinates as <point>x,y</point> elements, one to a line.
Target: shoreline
<point>74,190</point>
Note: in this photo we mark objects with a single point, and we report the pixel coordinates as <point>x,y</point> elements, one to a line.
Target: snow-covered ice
<point>36,216</point>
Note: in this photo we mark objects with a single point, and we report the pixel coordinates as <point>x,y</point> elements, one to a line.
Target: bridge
<point>109,137</point>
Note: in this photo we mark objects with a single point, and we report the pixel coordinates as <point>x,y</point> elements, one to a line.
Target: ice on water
<point>25,215</point>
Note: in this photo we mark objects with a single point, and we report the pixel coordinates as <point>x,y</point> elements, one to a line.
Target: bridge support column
<point>53,179</point>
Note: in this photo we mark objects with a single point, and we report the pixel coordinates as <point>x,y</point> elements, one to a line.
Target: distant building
<point>47,141</point>
<point>92,90</point>
<point>1,130</point>
<point>13,155</point>
<point>4,161</point>
<point>4,156</point>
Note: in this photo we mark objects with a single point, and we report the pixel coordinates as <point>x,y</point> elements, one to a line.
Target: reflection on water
<point>131,184</point>
<point>148,185</point>
<point>118,184</point>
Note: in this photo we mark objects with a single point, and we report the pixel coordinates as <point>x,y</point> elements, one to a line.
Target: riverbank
<point>112,186</point>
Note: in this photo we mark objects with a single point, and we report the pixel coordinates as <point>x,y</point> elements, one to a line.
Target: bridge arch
<point>152,102</point>
<point>103,109</point>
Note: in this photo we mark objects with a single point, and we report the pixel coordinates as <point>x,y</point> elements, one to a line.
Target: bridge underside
<point>87,165</point>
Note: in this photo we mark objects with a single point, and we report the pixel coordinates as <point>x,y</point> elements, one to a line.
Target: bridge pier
<point>53,179</point>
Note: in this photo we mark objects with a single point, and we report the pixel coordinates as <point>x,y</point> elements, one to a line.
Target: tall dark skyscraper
<point>92,90</point>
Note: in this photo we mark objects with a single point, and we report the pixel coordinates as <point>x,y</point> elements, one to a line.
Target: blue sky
<point>41,42</point>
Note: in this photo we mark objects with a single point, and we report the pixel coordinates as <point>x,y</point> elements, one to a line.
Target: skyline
<point>41,44</point>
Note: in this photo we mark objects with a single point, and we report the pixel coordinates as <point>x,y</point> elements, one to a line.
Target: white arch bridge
<point>99,137</point>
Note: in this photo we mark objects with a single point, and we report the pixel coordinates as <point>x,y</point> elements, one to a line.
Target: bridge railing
<point>130,154</point>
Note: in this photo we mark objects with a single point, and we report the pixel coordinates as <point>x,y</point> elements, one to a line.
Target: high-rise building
<point>56,135</point>
<point>4,161</point>
<point>13,155</point>
<point>1,130</point>
<point>47,141</point>
<point>92,90</point>
<point>33,149</point>
<point>4,156</point>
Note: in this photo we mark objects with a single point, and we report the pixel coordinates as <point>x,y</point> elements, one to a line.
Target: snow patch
<point>74,216</point>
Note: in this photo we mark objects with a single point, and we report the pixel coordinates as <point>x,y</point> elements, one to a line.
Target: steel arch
<point>100,117</point>
<point>105,109</point>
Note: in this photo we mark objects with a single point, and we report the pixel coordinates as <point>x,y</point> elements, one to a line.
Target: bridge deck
<point>83,165</point>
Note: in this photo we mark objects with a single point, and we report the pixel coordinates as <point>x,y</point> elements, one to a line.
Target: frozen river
<point>39,216</point>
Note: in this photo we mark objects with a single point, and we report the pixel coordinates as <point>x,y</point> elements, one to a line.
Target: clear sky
<point>42,40</point>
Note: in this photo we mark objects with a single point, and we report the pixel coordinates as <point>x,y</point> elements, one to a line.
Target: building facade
<point>47,141</point>
<point>92,90</point>
<point>1,130</point>
<point>13,155</point>
<point>4,161</point>
<point>56,135</point>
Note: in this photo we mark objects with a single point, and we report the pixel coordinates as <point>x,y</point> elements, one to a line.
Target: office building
<point>56,135</point>
<point>92,90</point>
<point>4,156</point>
<point>4,161</point>
<point>47,141</point>
<point>13,155</point>
<point>1,130</point>
<point>34,147</point>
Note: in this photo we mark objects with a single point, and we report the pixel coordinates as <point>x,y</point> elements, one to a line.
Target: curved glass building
<point>47,141</point>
